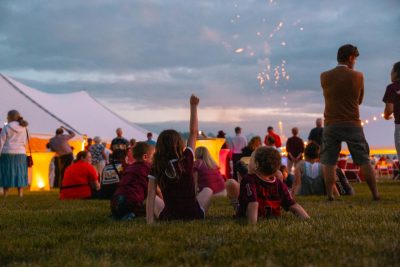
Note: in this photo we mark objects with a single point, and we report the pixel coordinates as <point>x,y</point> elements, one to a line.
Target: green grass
<point>40,230</point>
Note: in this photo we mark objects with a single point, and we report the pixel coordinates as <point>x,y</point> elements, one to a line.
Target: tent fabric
<point>79,111</point>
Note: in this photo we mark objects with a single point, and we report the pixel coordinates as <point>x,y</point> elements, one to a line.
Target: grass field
<point>40,230</point>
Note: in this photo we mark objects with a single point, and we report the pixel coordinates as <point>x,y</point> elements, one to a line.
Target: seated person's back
<point>261,193</point>
<point>309,179</point>
<point>110,178</point>
<point>130,195</point>
<point>80,179</point>
<point>207,173</point>
<point>312,179</point>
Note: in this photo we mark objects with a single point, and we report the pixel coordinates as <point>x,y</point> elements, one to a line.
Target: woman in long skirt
<point>13,162</point>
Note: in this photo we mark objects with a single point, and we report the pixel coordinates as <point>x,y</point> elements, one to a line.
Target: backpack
<point>110,178</point>
<point>342,183</point>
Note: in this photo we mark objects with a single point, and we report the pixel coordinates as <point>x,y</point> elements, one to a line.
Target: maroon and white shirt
<point>270,195</point>
<point>178,189</point>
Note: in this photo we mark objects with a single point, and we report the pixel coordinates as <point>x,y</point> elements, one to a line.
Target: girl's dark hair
<point>14,115</point>
<point>311,151</point>
<point>169,147</point>
<point>267,160</point>
<point>81,155</point>
<point>396,70</point>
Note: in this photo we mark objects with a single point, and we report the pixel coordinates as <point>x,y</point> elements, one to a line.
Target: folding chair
<point>352,171</point>
<point>383,169</point>
<point>396,170</point>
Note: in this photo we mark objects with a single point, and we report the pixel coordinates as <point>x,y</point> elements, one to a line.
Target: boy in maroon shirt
<point>128,201</point>
<point>261,193</point>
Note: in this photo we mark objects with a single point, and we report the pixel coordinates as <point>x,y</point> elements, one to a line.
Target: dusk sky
<point>143,59</point>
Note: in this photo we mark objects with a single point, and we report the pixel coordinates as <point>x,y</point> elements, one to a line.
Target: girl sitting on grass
<point>173,170</point>
<point>207,174</point>
<point>261,193</point>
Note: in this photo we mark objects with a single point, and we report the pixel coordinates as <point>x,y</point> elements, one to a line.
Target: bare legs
<point>329,174</point>
<point>5,191</point>
<point>232,190</point>
<point>20,191</point>
<point>369,175</point>
<point>204,198</point>
<point>158,206</point>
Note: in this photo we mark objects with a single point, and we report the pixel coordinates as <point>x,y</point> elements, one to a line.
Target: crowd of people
<point>169,179</point>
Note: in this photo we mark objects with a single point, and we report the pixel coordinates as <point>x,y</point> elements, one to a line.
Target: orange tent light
<point>39,173</point>
<point>213,145</point>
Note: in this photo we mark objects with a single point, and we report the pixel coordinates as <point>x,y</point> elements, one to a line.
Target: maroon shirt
<point>179,192</point>
<point>210,178</point>
<point>133,184</point>
<point>392,95</point>
<point>295,146</point>
<point>271,196</point>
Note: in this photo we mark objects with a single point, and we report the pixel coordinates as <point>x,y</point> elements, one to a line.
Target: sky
<point>143,59</point>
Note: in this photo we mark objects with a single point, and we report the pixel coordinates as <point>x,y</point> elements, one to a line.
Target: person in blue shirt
<point>150,140</point>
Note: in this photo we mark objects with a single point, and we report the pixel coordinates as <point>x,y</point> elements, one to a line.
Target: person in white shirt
<point>238,143</point>
<point>13,161</point>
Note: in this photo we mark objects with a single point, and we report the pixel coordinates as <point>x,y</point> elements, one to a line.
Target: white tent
<point>78,111</point>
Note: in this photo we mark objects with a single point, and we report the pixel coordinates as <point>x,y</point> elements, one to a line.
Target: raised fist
<point>194,100</point>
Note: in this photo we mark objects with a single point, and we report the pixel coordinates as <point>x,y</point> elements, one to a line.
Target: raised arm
<point>194,122</point>
<point>71,134</point>
<point>150,201</point>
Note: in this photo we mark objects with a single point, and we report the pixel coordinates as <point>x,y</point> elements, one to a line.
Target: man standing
<point>119,147</point>
<point>238,143</point>
<point>150,140</point>
<point>270,132</point>
<point>316,133</point>
<point>343,90</point>
<point>294,149</point>
<point>59,144</point>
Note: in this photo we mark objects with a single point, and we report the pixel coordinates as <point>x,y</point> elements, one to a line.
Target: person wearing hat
<point>99,155</point>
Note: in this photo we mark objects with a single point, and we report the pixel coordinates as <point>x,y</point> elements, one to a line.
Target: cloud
<point>142,55</point>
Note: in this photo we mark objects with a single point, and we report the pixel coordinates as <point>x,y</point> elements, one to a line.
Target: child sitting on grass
<point>288,178</point>
<point>261,193</point>
<point>129,198</point>
<point>173,170</point>
<point>206,173</point>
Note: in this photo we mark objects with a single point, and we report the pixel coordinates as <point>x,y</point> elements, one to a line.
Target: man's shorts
<point>333,137</point>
